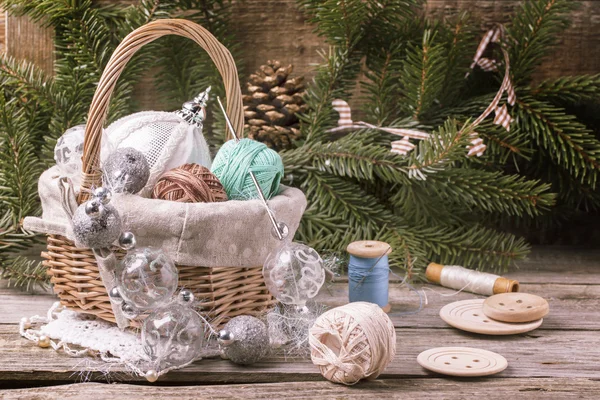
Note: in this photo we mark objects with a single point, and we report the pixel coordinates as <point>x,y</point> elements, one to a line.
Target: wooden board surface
<point>389,389</point>
<point>561,358</point>
<point>270,29</point>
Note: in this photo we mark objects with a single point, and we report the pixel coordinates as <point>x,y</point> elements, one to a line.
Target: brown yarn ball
<point>190,183</point>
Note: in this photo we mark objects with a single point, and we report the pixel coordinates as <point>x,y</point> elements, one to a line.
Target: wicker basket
<point>225,291</point>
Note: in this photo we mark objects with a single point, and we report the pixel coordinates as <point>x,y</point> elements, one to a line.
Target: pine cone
<point>271,105</point>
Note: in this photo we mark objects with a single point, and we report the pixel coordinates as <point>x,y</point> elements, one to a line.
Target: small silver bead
<point>129,311</point>
<point>151,376</point>
<point>283,229</point>
<point>115,295</point>
<point>226,337</point>
<point>186,296</point>
<point>93,208</point>
<point>103,194</point>
<point>127,240</point>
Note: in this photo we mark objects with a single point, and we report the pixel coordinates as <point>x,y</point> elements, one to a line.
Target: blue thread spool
<point>368,272</point>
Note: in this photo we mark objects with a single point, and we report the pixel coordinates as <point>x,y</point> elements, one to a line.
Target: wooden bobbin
<point>502,285</point>
<point>370,249</point>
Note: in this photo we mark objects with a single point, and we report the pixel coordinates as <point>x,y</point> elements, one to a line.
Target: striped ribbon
<point>402,146</point>
<point>476,145</point>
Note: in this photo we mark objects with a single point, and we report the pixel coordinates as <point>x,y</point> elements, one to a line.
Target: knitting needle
<point>258,188</point>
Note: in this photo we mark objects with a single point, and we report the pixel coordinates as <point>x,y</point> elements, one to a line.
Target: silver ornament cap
<point>127,240</point>
<point>226,337</point>
<point>194,112</point>
<point>103,195</point>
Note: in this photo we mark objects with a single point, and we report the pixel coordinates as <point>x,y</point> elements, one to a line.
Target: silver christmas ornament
<point>69,149</point>
<point>194,112</point>
<point>115,295</point>
<point>250,340</point>
<point>100,228</point>
<point>126,170</point>
<point>225,337</point>
<point>93,208</point>
<point>129,311</point>
<point>186,296</point>
<point>173,336</point>
<point>147,278</point>
<point>127,241</point>
<point>103,195</point>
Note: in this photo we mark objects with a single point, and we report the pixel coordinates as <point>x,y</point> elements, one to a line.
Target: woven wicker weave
<point>224,292</point>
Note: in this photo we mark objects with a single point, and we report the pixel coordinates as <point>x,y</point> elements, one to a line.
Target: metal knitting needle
<point>278,231</point>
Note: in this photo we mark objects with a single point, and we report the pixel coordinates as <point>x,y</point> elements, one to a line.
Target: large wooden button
<point>468,315</point>
<point>515,307</point>
<point>462,361</point>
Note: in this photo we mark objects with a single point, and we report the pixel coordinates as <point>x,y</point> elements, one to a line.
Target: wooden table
<point>560,360</point>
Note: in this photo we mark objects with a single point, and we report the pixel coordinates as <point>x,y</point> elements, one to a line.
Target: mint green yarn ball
<point>235,160</point>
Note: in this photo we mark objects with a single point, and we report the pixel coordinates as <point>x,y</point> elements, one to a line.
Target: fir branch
<point>566,141</point>
<point>570,89</point>
<point>533,33</point>
<point>23,273</point>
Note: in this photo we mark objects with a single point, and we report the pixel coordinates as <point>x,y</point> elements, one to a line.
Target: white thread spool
<point>352,342</point>
<point>460,278</point>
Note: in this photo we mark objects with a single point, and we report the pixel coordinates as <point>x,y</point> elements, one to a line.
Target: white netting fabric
<point>165,139</point>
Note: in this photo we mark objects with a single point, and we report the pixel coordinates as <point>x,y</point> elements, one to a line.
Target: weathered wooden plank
<point>542,353</point>
<point>572,306</point>
<point>28,40</point>
<point>2,30</point>
<point>389,389</point>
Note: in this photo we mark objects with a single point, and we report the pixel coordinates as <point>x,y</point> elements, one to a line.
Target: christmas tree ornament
<point>167,139</point>
<point>236,159</point>
<point>245,340</point>
<point>147,278</point>
<point>190,183</point>
<point>96,225</point>
<point>272,105</point>
<point>68,152</point>
<point>352,342</point>
<point>294,273</point>
<point>461,278</point>
<point>126,170</point>
<point>127,241</point>
<point>129,311</point>
<point>173,336</point>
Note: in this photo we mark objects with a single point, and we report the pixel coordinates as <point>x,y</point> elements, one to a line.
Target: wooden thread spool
<point>368,258</point>
<point>190,183</point>
<point>500,285</point>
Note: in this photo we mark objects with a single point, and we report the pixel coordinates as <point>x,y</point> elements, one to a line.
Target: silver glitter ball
<point>129,311</point>
<point>93,208</point>
<point>283,229</point>
<point>103,195</point>
<point>225,337</point>
<point>251,342</point>
<point>98,231</point>
<point>127,240</point>
<point>126,170</point>
<point>186,296</point>
<point>115,295</point>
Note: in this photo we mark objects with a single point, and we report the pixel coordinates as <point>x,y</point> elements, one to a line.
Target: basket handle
<point>91,174</point>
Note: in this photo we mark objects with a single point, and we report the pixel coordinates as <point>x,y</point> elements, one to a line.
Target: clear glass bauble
<point>173,335</point>
<point>294,273</point>
<point>69,150</point>
<point>147,278</point>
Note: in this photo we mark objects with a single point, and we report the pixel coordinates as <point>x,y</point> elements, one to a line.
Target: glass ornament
<point>147,278</point>
<point>69,150</point>
<point>294,273</point>
<point>173,336</point>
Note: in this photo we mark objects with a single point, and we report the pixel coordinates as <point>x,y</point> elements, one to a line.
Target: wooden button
<point>462,361</point>
<point>515,307</point>
<point>368,248</point>
<point>468,315</point>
